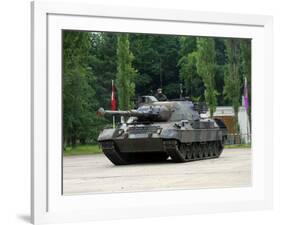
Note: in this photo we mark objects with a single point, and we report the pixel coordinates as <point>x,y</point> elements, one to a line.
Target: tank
<point>159,131</point>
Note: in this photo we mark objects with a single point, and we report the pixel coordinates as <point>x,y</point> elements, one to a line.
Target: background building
<point>226,113</point>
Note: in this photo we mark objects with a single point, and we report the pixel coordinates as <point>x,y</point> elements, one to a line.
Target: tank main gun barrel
<point>102,112</point>
<point>153,113</point>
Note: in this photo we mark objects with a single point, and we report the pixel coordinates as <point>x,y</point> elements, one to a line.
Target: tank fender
<point>106,134</point>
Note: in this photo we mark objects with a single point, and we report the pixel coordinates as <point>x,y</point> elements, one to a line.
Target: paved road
<point>95,173</point>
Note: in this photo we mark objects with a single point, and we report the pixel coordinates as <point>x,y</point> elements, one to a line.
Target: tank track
<point>186,152</point>
<point>110,151</point>
<point>179,152</point>
<point>118,158</point>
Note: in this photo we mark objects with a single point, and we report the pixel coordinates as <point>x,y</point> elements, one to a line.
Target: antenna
<point>160,73</point>
<point>181,91</point>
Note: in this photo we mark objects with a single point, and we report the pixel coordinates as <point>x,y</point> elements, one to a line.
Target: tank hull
<point>153,142</point>
<point>178,145</point>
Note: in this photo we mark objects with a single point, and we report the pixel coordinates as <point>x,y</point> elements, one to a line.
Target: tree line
<point>209,69</point>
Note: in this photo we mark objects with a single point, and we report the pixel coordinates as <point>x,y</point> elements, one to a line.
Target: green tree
<point>206,62</point>
<point>193,85</point>
<point>168,56</point>
<point>220,69</point>
<point>75,85</point>
<point>146,61</point>
<point>125,73</point>
<point>156,58</point>
<point>232,88</point>
<point>103,65</point>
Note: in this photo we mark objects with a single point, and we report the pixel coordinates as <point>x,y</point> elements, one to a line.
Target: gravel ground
<point>96,174</point>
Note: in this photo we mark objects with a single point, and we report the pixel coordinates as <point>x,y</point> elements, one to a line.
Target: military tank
<point>160,130</point>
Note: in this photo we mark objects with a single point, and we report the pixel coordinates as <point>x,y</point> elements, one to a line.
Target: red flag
<point>113,100</point>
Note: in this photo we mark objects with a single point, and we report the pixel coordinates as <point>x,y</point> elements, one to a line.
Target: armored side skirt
<point>200,135</point>
<point>155,144</point>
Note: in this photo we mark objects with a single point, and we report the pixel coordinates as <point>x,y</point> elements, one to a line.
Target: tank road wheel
<point>218,148</point>
<point>182,151</point>
<point>179,152</point>
<point>206,150</point>
<point>172,149</point>
<point>201,151</point>
<point>189,152</point>
<point>215,149</point>
<point>195,151</point>
<point>186,152</point>
<point>210,149</point>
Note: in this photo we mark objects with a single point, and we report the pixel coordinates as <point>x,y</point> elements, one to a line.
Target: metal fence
<point>236,139</point>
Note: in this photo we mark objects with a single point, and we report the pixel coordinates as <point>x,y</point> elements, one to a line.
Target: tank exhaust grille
<point>143,129</point>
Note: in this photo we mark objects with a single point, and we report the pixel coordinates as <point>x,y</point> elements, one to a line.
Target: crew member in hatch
<point>160,96</point>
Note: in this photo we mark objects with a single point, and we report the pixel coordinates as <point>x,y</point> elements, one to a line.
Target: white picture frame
<point>48,205</point>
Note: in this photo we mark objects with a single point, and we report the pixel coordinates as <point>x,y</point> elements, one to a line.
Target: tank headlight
<point>159,130</point>
<point>120,132</point>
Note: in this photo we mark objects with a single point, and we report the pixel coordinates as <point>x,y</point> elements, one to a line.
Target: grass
<point>82,150</point>
<point>238,146</point>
